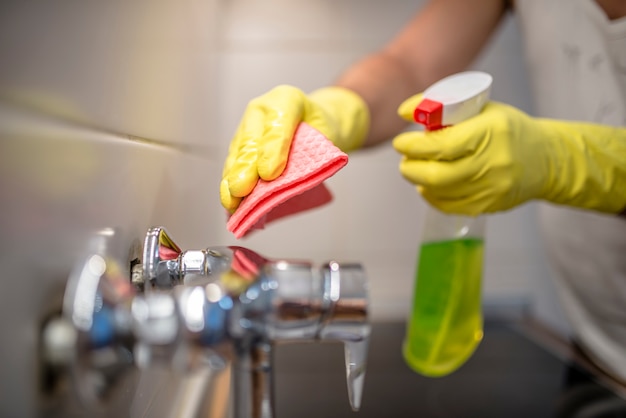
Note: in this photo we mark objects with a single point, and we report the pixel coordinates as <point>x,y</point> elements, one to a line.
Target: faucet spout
<point>346,321</point>
<point>356,355</point>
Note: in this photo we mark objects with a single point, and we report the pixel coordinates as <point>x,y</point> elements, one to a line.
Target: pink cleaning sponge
<point>312,159</point>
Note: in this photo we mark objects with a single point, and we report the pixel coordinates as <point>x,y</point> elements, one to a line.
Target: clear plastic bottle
<point>446,323</point>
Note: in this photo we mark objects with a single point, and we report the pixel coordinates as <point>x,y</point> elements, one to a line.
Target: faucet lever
<point>345,320</point>
<point>160,261</point>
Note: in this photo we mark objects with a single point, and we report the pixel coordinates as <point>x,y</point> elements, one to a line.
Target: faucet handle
<point>345,320</point>
<point>164,265</point>
<point>160,261</point>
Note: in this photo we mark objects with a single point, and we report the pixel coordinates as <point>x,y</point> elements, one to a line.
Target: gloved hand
<point>503,157</point>
<point>261,144</point>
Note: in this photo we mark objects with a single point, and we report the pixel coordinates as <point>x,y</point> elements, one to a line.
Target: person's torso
<point>577,66</point>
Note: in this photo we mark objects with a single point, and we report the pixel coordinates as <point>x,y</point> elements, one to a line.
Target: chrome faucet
<point>218,308</point>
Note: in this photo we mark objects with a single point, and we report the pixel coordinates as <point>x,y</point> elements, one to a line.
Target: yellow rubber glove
<point>503,157</point>
<point>261,144</point>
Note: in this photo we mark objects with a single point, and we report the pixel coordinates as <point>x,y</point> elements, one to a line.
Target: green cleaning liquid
<point>446,324</point>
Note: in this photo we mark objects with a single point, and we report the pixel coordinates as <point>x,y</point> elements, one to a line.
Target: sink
<point>512,374</point>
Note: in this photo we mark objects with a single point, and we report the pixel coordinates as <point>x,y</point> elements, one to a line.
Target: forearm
<point>419,55</point>
<point>383,83</point>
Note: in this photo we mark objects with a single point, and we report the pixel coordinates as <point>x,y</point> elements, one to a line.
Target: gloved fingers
<point>261,144</point>
<point>469,181</point>
<point>240,170</point>
<point>456,191</point>
<point>406,109</point>
<point>229,202</point>
<point>471,205</point>
<point>276,115</point>
<point>472,199</point>
<point>442,174</point>
<point>233,150</point>
<point>445,144</point>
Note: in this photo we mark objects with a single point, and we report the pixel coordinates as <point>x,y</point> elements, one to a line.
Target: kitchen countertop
<point>519,370</point>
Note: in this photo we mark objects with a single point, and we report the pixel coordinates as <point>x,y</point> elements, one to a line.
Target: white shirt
<point>577,64</point>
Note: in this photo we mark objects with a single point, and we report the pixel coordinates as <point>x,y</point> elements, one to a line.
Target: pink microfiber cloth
<point>312,159</point>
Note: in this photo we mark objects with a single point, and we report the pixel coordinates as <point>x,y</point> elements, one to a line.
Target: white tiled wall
<point>106,121</point>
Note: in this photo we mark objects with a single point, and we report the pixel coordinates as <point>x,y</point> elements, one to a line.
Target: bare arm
<point>443,38</point>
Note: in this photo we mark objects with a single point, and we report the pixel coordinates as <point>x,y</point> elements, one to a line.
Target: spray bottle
<point>446,324</point>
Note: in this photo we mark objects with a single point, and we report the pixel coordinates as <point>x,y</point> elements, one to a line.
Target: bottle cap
<point>453,99</point>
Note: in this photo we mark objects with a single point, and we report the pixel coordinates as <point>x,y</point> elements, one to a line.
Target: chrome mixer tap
<point>217,308</point>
